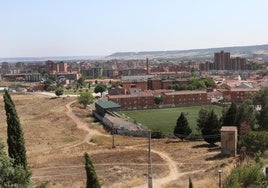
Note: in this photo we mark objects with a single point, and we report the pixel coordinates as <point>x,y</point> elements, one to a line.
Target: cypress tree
<point>92,178</point>
<point>190,183</point>
<point>182,129</point>
<point>15,138</point>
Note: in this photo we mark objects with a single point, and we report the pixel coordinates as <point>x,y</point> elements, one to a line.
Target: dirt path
<point>159,182</point>
<point>173,172</point>
<point>46,172</point>
<point>82,125</point>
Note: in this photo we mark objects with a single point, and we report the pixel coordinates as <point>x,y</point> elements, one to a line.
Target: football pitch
<point>165,119</point>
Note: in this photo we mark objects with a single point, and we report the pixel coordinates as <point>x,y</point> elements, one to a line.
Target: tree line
<point>251,115</point>
<point>193,84</point>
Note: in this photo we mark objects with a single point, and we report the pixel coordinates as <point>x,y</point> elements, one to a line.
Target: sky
<point>46,28</point>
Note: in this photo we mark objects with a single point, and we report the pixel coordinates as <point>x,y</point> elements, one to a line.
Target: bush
<point>255,141</point>
<point>157,134</point>
<point>247,176</point>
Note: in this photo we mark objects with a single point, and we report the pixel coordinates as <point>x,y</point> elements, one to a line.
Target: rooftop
<point>228,128</point>
<point>131,96</point>
<point>107,104</point>
<point>185,92</point>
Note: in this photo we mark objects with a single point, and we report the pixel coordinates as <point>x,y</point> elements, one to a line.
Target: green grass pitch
<point>165,119</point>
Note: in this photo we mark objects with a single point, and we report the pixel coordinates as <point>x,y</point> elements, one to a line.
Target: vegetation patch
<point>98,139</point>
<point>68,139</point>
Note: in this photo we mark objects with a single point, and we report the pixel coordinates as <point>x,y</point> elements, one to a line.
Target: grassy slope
<point>165,119</point>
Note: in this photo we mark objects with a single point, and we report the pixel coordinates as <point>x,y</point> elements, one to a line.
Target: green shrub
<point>248,176</point>
<point>255,141</point>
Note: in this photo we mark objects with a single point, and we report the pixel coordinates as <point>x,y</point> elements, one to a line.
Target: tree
<point>10,175</point>
<point>263,118</point>
<point>89,85</point>
<point>182,129</point>
<point>244,130</point>
<point>202,118</point>
<point>250,175</point>
<point>209,125</point>
<point>49,82</point>
<point>100,88</point>
<point>15,140</point>
<point>245,113</point>
<point>68,87</point>
<point>229,117</point>
<point>59,92</point>
<point>209,82</point>
<point>80,82</point>
<point>117,83</point>
<point>190,183</point>
<point>158,99</point>
<point>255,141</point>
<point>92,178</point>
<point>85,98</point>
<point>261,98</point>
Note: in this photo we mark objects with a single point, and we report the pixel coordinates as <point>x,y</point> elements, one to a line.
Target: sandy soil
<point>58,131</point>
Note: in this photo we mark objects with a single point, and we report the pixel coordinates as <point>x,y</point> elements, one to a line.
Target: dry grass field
<point>57,137</point>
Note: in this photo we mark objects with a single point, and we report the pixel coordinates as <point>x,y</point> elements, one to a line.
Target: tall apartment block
<point>53,67</point>
<point>223,61</point>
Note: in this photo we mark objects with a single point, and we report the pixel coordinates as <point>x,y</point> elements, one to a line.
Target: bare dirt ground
<point>58,131</point>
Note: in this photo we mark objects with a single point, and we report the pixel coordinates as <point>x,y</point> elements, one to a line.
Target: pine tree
<point>211,128</point>
<point>182,129</point>
<point>245,113</point>
<point>263,118</point>
<point>15,140</point>
<point>229,118</point>
<point>202,118</point>
<point>92,178</point>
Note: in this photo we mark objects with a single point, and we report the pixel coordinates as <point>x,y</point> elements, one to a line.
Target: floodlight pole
<point>150,176</point>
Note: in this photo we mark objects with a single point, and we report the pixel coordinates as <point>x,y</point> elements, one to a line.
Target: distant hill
<point>39,59</point>
<point>256,51</point>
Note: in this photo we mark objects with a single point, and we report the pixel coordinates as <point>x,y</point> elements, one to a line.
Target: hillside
<point>58,131</point>
<point>260,51</point>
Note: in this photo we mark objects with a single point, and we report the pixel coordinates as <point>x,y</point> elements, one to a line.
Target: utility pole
<point>113,145</point>
<point>150,176</point>
<point>219,172</point>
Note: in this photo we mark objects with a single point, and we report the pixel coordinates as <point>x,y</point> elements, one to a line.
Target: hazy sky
<point>32,28</point>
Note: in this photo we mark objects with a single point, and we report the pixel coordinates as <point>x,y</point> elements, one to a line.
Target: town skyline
<point>79,28</point>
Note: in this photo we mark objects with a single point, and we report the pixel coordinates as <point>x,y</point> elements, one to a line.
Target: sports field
<point>165,120</point>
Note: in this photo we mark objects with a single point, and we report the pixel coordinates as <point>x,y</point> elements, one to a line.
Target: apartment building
<point>136,101</point>
<point>181,98</point>
<point>238,94</point>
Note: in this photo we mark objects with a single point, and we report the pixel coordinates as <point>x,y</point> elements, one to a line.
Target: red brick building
<point>181,98</point>
<point>54,68</point>
<point>155,83</point>
<point>138,101</point>
<point>62,67</point>
<point>117,91</point>
<point>238,95</point>
<point>141,84</point>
